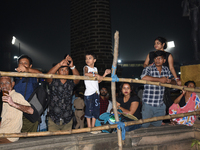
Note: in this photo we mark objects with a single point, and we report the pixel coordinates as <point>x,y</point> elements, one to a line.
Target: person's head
<point>103,91</point>
<point>126,89</point>
<point>160,43</point>
<point>159,58</point>
<point>6,83</point>
<point>63,70</point>
<point>25,60</point>
<point>190,84</point>
<point>90,58</point>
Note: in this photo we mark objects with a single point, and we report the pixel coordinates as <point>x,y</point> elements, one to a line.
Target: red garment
<point>103,105</point>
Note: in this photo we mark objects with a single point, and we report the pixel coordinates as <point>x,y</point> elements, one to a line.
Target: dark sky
<point>43,28</point>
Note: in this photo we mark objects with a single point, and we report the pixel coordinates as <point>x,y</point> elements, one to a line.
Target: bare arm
<point>146,62</point>
<point>155,79</point>
<point>171,68</point>
<point>178,99</point>
<point>22,68</point>
<point>133,108</point>
<point>53,71</point>
<point>23,108</point>
<point>74,70</point>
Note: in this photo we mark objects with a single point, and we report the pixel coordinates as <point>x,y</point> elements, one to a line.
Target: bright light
<point>119,61</point>
<point>15,57</point>
<point>13,40</point>
<point>170,44</point>
<point>136,79</point>
<point>179,72</point>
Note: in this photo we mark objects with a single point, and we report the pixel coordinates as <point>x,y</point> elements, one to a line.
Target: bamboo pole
<point>104,127</point>
<point>113,87</point>
<point>74,77</point>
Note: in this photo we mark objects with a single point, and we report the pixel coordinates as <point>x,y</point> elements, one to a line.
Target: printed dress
<point>192,105</point>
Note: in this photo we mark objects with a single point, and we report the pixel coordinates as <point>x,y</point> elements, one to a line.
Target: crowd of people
<point>68,106</point>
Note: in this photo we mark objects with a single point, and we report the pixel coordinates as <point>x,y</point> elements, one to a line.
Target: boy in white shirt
<point>91,95</point>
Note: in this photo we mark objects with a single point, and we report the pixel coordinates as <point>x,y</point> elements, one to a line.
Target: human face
<point>126,89</point>
<point>6,84</point>
<point>191,85</point>
<point>158,45</point>
<point>103,92</point>
<point>89,60</point>
<point>25,62</point>
<point>159,61</point>
<point>63,71</point>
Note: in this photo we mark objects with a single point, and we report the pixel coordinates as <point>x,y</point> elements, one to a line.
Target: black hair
<point>25,56</point>
<point>132,89</point>
<point>103,87</point>
<point>188,82</point>
<point>91,53</point>
<point>162,40</point>
<point>159,53</point>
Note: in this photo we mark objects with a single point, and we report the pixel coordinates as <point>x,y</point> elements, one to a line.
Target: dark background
<point>43,28</point>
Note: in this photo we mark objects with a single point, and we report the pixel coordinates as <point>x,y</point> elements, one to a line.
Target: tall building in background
<point>91,31</point>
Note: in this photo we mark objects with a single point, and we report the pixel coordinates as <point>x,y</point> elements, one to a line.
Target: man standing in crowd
<point>14,105</point>
<point>61,90</point>
<point>153,104</point>
<point>26,86</point>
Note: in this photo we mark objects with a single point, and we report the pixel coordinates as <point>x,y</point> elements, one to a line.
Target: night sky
<point>43,28</point>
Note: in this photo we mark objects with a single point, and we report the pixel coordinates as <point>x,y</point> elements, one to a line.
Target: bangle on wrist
<point>72,67</point>
<point>177,79</point>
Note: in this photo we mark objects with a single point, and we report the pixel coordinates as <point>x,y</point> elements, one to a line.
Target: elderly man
<point>14,105</point>
<point>60,107</point>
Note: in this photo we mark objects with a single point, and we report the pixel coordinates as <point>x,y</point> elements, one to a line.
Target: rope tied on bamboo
<point>113,75</point>
<point>121,125</point>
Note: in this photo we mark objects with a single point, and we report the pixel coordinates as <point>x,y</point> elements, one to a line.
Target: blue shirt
<point>20,86</point>
<point>153,94</point>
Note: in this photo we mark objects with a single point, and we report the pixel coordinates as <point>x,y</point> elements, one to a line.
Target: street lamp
<point>13,42</point>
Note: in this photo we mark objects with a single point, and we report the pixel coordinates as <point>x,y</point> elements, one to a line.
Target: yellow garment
<point>190,72</point>
<point>12,117</point>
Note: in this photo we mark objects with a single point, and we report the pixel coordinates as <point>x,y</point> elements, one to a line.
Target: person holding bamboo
<point>14,105</point>
<point>129,103</point>
<point>91,95</point>
<point>26,86</point>
<point>61,90</point>
<point>186,102</point>
<point>152,99</point>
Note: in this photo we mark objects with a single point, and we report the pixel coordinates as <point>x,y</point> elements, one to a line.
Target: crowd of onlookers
<point>70,108</point>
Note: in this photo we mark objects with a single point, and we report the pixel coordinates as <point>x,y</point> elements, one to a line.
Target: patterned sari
<point>192,105</point>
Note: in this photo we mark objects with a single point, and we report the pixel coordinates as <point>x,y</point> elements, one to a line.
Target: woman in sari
<point>186,102</point>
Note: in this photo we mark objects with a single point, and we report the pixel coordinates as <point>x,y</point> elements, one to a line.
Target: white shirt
<point>91,85</point>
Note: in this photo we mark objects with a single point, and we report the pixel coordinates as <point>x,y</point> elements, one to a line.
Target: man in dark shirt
<point>104,102</point>
<point>60,107</point>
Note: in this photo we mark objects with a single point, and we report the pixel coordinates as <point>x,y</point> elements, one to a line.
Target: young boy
<point>91,95</point>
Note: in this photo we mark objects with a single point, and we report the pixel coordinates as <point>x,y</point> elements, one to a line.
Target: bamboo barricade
<point>104,127</point>
<point>113,87</point>
<point>74,77</point>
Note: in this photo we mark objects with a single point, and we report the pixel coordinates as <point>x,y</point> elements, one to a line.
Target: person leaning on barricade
<point>60,107</point>
<point>152,100</point>
<point>26,86</point>
<point>186,102</point>
<point>14,105</point>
